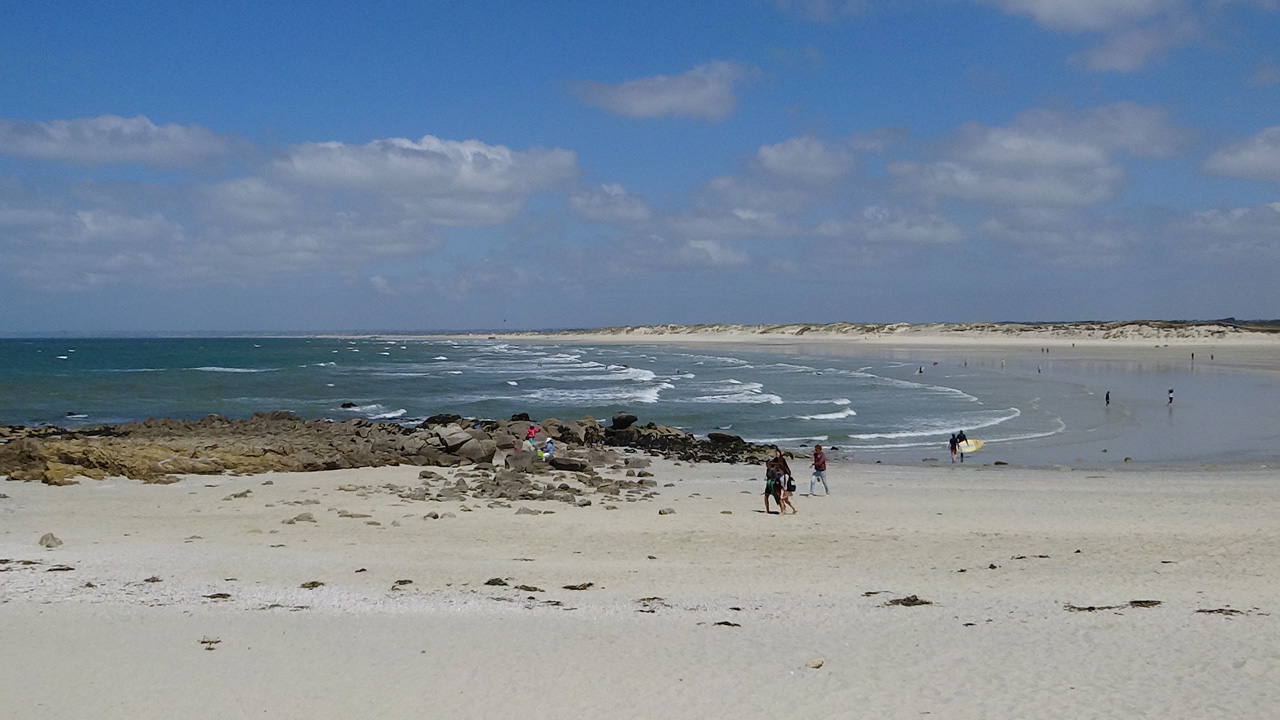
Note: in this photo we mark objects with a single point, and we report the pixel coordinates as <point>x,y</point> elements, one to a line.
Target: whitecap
<point>439,357</point>
<point>838,415</point>
<point>389,415</point>
<point>512,382</point>
<point>217,369</point>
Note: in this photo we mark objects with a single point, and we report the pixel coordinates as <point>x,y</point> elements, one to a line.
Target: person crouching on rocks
<point>549,451</point>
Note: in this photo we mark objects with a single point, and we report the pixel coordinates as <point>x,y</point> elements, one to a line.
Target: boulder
<point>523,461</point>
<point>623,420</point>
<point>478,450</point>
<point>452,437</point>
<point>571,464</point>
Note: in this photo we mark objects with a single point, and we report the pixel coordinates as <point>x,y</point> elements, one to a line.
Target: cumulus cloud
<point>1256,158</point>
<point>1091,15</point>
<point>1249,234</point>
<point>892,226</point>
<point>806,159</point>
<point>109,139</point>
<point>1266,74</point>
<point>447,182</point>
<point>1043,158</point>
<point>824,11</point>
<point>609,203</point>
<point>662,252</point>
<point>706,91</point>
<point>1133,49</point>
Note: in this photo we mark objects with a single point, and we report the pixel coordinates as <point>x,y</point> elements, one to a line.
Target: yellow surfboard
<point>969,446</point>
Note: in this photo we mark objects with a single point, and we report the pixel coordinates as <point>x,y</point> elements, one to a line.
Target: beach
<point>1141,589</point>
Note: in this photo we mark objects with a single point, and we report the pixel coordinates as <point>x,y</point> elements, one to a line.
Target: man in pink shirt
<point>819,470</point>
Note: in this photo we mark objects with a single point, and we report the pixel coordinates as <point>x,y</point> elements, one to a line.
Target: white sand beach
<point>1005,557</point>
<point>1128,591</point>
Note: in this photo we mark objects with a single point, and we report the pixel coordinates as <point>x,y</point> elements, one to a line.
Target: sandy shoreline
<point>995,642</point>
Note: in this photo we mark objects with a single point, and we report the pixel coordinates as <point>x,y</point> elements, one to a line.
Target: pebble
<point>815,664</point>
<point>50,540</point>
<point>667,511</point>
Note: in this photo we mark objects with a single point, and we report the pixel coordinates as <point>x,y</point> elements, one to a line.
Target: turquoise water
<point>880,407</point>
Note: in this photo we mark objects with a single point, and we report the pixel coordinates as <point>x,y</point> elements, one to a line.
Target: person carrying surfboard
<point>961,439</point>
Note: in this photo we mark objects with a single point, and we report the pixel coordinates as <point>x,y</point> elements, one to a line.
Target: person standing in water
<point>1170,396</point>
<point>819,470</point>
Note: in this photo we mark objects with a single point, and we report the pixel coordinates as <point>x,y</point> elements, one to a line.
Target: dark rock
<point>622,421</point>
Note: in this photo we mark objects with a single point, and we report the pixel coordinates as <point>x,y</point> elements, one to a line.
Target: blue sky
<point>501,165</point>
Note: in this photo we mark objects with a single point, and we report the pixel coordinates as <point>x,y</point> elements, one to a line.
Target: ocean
<point>891,406</point>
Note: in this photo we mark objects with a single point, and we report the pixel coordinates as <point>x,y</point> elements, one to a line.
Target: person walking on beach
<point>786,481</point>
<point>961,439</point>
<point>1108,398</point>
<point>772,485</point>
<point>1170,396</point>
<point>955,445</point>
<point>819,470</point>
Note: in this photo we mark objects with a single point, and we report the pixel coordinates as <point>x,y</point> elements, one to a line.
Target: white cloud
<point>609,203</point>
<point>1256,158</point>
<point>1043,158</point>
<point>822,10</point>
<point>736,223</point>
<point>446,182</point>
<point>111,139</point>
<point>1087,15</point>
<point>706,91</point>
<point>805,159</point>
<point>1133,49</point>
<point>1266,74</point>
<point>711,253</point>
<point>1241,234</point>
<point>893,226</point>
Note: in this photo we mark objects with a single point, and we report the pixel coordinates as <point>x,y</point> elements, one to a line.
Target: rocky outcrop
<point>156,451</point>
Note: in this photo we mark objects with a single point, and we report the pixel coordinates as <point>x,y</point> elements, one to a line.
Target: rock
<point>49,540</point>
<point>311,585</point>
<point>667,511</point>
<point>348,405</point>
<point>719,438</point>
<point>579,586</point>
<point>583,502</point>
<point>527,511</point>
<point>522,461</point>
<point>815,664</point>
<point>623,420</point>
<point>570,464</point>
<point>497,582</point>
<point>300,517</point>
<point>433,515</point>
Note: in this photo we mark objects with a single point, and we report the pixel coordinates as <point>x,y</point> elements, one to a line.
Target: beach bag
<point>791,484</point>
